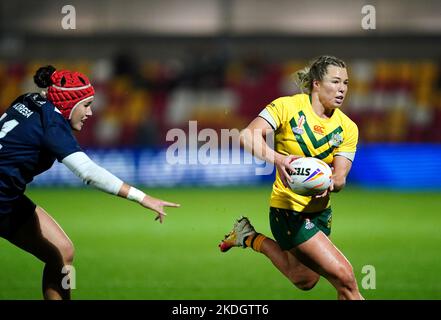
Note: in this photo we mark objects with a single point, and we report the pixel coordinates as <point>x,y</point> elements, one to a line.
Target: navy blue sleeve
<point>59,139</point>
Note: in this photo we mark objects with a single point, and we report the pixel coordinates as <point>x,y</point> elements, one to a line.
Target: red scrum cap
<point>68,90</point>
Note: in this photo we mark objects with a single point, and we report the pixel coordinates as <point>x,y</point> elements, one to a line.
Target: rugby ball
<point>310,176</point>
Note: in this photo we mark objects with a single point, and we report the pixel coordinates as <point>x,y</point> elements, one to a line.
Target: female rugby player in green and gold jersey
<point>304,125</point>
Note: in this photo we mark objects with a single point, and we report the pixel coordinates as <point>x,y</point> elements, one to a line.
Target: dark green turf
<point>122,253</point>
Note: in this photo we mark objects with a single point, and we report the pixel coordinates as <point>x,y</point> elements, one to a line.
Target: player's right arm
<point>252,138</point>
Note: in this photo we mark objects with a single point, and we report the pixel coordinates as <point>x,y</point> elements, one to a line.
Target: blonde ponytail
<point>303,80</point>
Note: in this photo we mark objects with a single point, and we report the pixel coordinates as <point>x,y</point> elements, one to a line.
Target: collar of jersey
<point>315,115</point>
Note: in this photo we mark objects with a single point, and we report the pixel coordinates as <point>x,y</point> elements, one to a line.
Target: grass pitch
<point>122,253</point>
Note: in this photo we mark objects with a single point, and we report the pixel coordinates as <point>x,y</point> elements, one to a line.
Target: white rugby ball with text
<point>310,176</point>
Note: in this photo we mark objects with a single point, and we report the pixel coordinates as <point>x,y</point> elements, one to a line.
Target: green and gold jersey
<point>300,131</point>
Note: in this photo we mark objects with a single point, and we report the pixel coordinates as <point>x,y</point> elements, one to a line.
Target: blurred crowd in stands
<point>138,101</point>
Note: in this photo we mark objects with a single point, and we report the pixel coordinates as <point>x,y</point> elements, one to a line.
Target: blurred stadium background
<point>156,65</point>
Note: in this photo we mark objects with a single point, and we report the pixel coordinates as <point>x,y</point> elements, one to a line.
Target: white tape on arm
<point>91,173</point>
<point>135,194</point>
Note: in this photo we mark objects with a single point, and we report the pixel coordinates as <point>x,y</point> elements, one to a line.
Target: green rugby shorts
<point>291,228</point>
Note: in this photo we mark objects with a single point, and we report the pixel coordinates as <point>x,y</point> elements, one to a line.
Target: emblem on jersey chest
<point>38,99</point>
<point>299,128</point>
<point>336,140</point>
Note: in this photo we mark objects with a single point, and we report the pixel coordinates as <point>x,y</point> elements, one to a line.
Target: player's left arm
<point>341,167</point>
<point>342,162</point>
<point>343,157</point>
<point>59,140</point>
<point>92,174</point>
<point>340,170</point>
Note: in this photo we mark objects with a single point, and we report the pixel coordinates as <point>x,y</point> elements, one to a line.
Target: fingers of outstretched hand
<point>158,205</point>
<point>160,216</point>
<point>171,204</point>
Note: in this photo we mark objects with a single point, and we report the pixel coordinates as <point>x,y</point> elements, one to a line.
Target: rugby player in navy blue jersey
<point>35,131</point>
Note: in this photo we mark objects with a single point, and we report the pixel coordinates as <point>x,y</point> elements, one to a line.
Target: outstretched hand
<point>158,205</point>
<point>284,168</point>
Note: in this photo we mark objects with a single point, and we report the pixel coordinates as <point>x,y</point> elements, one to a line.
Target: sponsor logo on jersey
<point>38,99</point>
<point>319,129</point>
<point>299,129</point>
<point>309,225</point>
